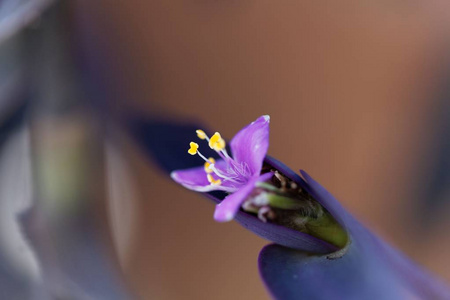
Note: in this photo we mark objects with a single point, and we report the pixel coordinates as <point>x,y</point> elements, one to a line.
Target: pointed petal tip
<point>251,143</point>
<point>263,119</point>
<point>179,176</point>
<point>305,175</point>
<point>174,176</point>
<point>223,216</point>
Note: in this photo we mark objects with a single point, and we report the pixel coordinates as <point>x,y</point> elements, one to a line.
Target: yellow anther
<point>210,178</point>
<point>213,181</point>
<point>193,149</point>
<point>201,134</point>
<point>208,164</point>
<point>214,139</point>
<point>220,145</point>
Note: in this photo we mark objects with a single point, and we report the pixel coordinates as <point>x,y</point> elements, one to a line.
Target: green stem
<point>328,229</point>
<point>283,202</point>
<point>267,187</point>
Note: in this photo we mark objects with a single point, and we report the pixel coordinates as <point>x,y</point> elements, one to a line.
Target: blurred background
<point>358,93</point>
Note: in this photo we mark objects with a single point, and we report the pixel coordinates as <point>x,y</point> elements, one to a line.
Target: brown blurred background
<point>352,88</point>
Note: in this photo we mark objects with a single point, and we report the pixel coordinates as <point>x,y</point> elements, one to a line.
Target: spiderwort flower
<point>257,187</point>
<point>237,174</point>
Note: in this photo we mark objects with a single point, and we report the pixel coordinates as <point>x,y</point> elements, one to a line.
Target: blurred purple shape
<point>74,257</point>
<point>75,263</point>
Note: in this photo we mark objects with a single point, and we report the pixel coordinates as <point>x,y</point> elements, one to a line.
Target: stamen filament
<point>220,174</point>
<point>214,169</point>
<point>221,154</point>
<point>202,156</point>
<point>224,151</point>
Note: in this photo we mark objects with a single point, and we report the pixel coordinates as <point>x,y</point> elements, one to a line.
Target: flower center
<point>235,172</point>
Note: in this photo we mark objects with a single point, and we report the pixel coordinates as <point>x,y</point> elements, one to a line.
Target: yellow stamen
<point>208,164</point>
<point>213,181</point>
<point>201,134</point>
<point>214,139</point>
<point>219,145</point>
<point>193,149</point>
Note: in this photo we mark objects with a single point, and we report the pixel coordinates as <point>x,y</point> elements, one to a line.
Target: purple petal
<point>195,179</point>
<point>368,268</point>
<point>227,209</point>
<point>251,143</point>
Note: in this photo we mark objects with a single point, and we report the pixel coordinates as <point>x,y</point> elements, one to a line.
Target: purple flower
<point>266,194</point>
<point>236,174</point>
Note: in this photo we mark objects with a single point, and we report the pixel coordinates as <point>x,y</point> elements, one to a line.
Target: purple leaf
<point>367,268</point>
